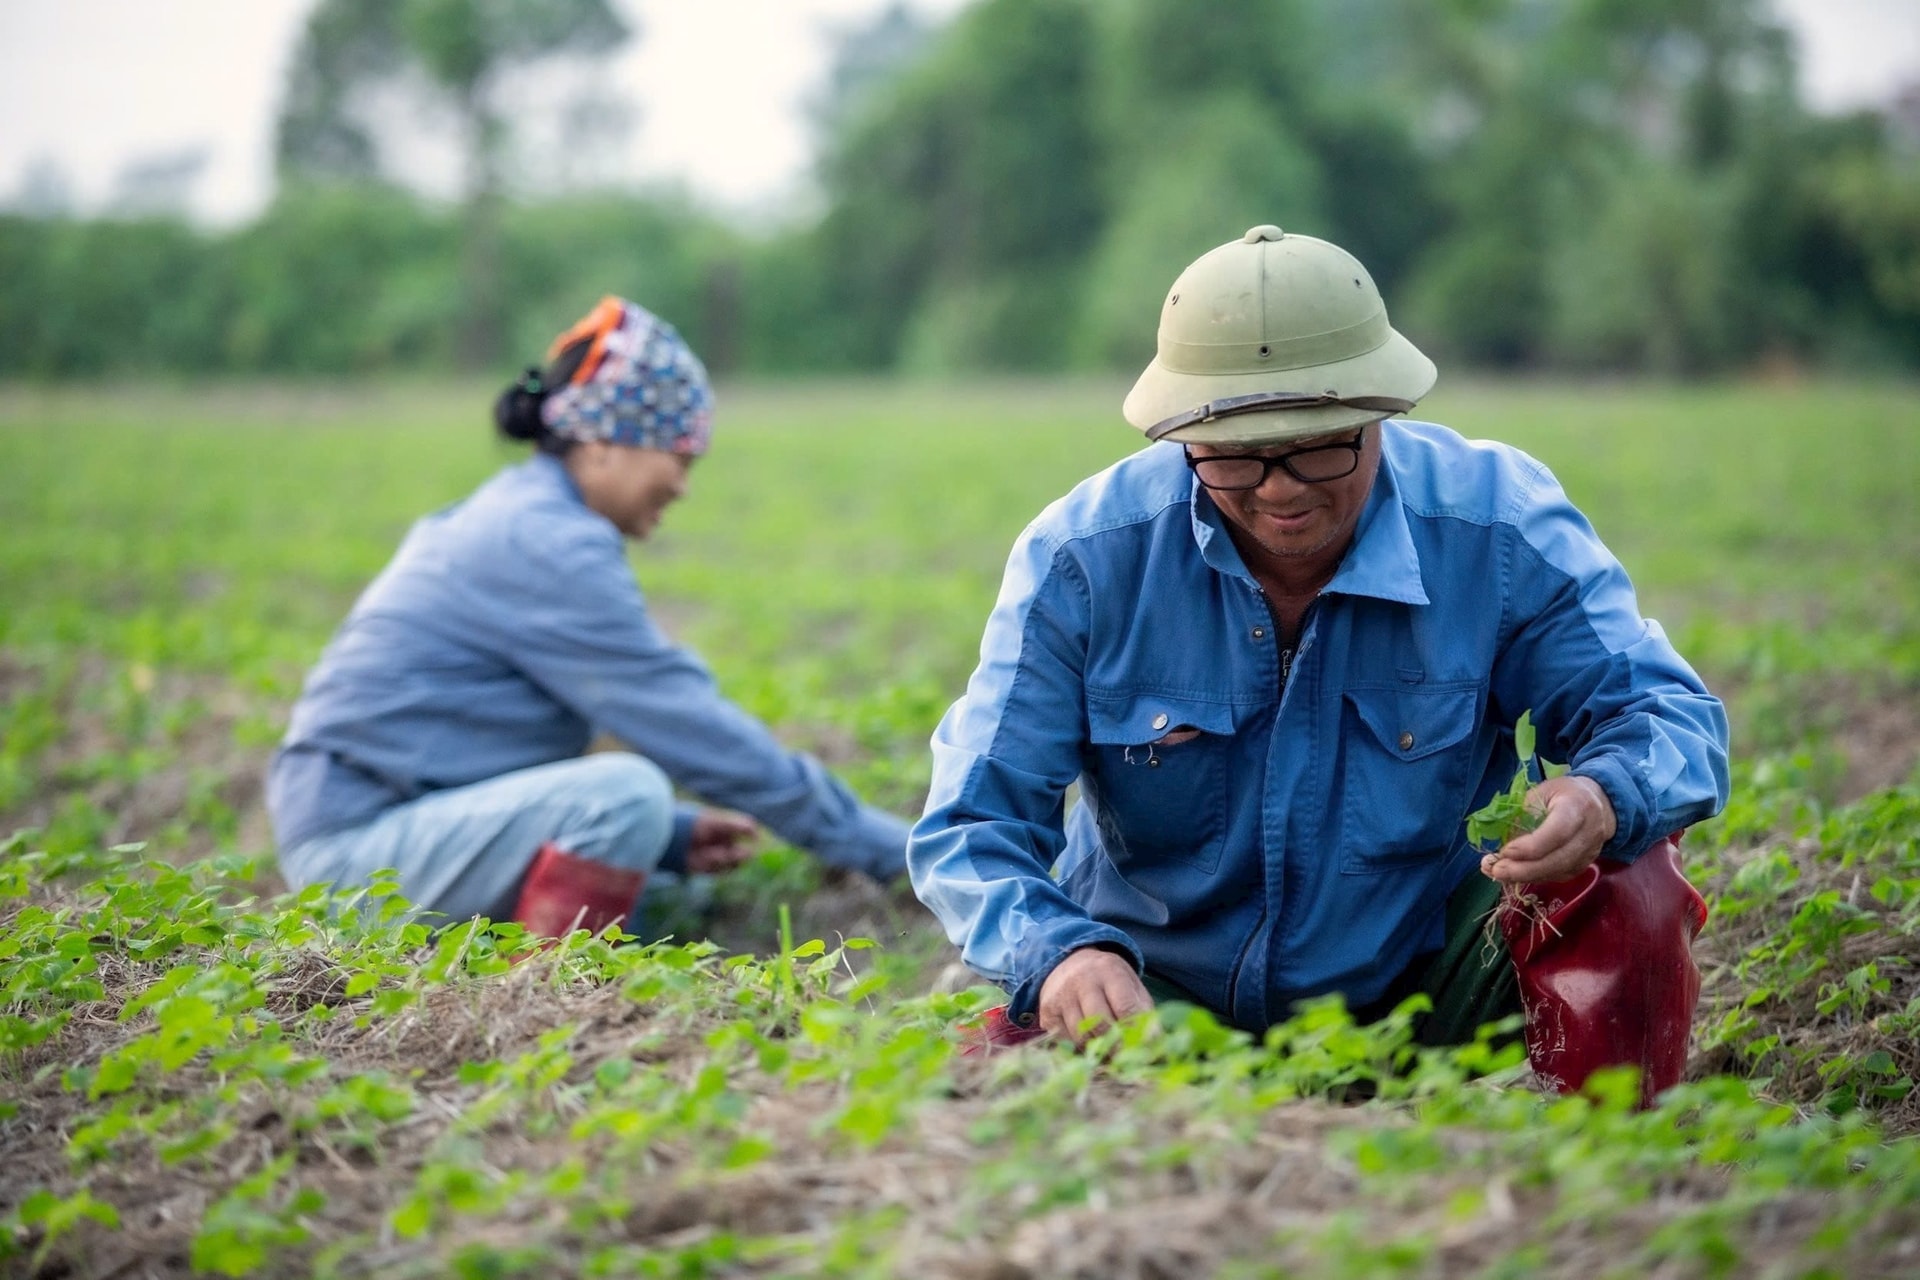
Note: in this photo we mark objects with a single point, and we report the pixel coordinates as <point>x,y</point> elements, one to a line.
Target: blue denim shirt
<point>506,630</point>
<point>1307,838</point>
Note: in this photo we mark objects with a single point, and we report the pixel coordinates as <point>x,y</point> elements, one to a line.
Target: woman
<point>441,733</point>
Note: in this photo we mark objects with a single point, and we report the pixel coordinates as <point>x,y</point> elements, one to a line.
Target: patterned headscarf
<point>640,384</point>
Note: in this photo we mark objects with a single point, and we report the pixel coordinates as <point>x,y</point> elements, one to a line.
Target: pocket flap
<point>1414,723</point>
<point>1129,720</point>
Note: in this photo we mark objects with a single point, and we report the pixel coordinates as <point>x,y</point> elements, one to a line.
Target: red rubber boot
<point>564,892</point>
<point>1606,970</point>
<point>992,1032</point>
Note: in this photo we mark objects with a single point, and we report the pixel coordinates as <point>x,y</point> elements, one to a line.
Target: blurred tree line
<point>1569,184</point>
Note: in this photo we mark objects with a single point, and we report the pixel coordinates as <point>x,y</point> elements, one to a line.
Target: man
<point>1282,651</point>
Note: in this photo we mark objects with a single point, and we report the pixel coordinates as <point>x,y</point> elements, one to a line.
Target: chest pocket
<point>1409,765</point>
<point>1157,777</point>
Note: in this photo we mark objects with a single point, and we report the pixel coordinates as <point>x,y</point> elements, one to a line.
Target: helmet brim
<point>1395,368</point>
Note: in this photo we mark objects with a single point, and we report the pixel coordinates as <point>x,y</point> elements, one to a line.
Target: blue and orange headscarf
<point>639,383</point>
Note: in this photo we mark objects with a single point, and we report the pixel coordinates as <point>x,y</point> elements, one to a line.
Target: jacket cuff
<point>874,843</point>
<point>1633,808</point>
<point>679,840</point>
<point>1040,956</point>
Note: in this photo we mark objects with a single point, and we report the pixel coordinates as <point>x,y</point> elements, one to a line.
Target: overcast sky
<point>93,84</point>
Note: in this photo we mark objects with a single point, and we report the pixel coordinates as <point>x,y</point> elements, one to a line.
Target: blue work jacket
<point>506,631</point>
<point>1307,838</point>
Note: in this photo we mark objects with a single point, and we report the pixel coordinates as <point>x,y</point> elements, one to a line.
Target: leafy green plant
<point>1508,814</point>
<point>53,1216</point>
<point>255,1220</point>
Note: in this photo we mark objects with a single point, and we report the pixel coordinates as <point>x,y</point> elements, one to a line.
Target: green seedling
<point>1508,815</point>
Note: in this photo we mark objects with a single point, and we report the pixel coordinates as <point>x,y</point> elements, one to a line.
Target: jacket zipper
<point>1284,656</point>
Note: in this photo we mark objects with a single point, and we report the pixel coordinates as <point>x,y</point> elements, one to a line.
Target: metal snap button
<point>1259,633</point>
<point>1160,721</point>
<point>1406,742</point>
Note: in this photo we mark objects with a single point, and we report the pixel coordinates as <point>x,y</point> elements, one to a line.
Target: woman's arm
<point>583,633</point>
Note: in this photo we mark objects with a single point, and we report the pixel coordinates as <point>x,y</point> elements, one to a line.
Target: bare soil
<point>1148,1219</point>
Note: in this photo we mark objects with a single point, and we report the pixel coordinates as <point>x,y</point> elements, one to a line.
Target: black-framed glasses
<point>1316,464</point>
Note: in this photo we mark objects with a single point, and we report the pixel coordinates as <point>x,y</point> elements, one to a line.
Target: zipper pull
<point>1286,666</point>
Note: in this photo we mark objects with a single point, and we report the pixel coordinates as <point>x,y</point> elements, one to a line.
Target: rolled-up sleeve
<point>1003,759</point>
<point>1608,692</point>
<point>583,633</point>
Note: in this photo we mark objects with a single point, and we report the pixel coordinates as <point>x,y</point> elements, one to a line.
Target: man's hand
<point>1090,983</point>
<point>1579,819</point>
<point>721,841</point>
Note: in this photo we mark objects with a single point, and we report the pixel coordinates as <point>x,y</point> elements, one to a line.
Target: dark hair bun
<point>517,412</point>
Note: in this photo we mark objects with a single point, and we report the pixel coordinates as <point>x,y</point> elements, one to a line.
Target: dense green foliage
<point>332,280</point>
<point>1583,183</point>
<point>195,1066</point>
<point>459,50</point>
<point>1577,184</point>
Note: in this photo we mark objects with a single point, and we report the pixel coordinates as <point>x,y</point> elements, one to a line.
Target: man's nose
<point>1278,484</point>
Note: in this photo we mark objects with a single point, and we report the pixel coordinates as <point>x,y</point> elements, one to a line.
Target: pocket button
<point>1160,721</point>
<point>1406,742</point>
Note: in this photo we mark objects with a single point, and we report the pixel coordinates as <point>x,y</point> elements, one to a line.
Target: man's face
<point>1291,520</point>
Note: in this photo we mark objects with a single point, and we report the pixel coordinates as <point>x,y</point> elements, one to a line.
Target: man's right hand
<point>1091,983</point>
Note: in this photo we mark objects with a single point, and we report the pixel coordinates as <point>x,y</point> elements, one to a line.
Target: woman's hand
<point>721,841</point>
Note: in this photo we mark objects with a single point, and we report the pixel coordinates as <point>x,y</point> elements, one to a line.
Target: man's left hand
<point>1578,819</point>
<point>721,841</point>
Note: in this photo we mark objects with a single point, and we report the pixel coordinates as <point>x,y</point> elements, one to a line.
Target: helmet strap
<point>1269,401</point>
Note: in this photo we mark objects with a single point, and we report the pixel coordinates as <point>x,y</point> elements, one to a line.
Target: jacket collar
<point>553,472</point>
<point>1382,562</point>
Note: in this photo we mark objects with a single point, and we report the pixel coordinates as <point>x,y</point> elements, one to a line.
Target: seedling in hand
<point>1507,814</point>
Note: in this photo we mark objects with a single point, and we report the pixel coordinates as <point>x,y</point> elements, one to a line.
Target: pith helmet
<point>1274,337</point>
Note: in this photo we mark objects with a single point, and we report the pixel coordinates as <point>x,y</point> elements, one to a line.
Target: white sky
<point>93,84</point>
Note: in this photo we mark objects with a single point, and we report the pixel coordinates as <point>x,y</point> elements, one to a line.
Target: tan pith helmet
<point>1274,337</point>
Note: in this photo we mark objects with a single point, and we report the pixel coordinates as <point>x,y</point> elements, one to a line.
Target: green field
<point>198,1073</point>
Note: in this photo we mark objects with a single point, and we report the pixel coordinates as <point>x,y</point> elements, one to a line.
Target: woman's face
<point>629,486</point>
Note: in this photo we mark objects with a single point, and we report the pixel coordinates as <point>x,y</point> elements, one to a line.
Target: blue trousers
<point>463,852</point>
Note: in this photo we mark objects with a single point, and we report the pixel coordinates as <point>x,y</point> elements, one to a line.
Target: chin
<point>1305,544</point>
